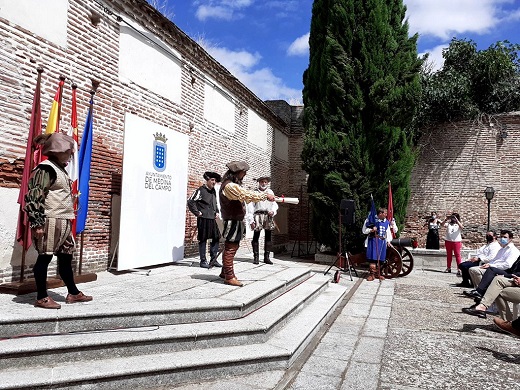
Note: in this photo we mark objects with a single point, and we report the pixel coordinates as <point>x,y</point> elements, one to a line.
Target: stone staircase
<point>264,325</point>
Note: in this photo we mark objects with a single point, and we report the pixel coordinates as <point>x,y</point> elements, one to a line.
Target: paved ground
<point>407,333</point>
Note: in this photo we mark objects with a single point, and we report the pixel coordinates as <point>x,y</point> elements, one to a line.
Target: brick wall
<point>91,56</point>
<point>298,216</point>
<point>457,162</point>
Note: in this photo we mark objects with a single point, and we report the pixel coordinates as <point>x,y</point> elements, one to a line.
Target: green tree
<point>472,82</point>
<point>361,92</point>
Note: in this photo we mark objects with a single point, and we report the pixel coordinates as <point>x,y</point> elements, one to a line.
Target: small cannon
<point>399,259</point>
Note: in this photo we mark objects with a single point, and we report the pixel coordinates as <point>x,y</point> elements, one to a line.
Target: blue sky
<point>264,43</point>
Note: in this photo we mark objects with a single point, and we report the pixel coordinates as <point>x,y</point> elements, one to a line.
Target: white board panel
<point>153,195</point>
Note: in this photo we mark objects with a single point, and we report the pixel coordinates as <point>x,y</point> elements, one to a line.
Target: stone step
<point>89,345</point>
<point>231,304</point>
<point>287,331</point>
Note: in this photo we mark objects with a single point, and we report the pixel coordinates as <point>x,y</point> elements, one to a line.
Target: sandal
<point>447,271</point>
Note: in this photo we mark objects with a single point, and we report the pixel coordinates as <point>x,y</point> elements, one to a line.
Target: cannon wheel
<point>407,261</point>
<point>393,266</point>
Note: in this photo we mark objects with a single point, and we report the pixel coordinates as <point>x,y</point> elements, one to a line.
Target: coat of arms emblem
<point>159,152</point>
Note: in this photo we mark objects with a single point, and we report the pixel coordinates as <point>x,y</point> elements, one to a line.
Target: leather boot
<point>256,252</point>
<point>230,249</point>
<point>267,252</point>
<point>202,255</point>
<point>378,274</point>
<point>371,272</point>
<point>213,252</point>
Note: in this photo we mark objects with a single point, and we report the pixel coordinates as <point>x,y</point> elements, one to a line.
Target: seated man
<point>488,277</point>
<point>504,259</point>
<point>502,291</point>
<point>484,255</point>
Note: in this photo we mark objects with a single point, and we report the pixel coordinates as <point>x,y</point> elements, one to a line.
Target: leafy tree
<point>361,92</point>
<point>472,82</point>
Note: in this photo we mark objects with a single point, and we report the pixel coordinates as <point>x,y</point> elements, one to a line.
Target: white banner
<point>153,194</point>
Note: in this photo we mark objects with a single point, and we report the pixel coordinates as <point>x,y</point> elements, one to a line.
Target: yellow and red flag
<point>53,123</point>
<point>73,165</point>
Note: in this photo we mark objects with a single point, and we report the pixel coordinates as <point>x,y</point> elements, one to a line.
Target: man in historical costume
<point>49,206</point>
<point>203,204</point>
<point>260,216</point>
<point>232,198</point>
<point>379,237</point>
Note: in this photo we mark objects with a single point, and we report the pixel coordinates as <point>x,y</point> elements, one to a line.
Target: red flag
<point>73,166</point>
<point>390,208</point>
<point>23,232</point>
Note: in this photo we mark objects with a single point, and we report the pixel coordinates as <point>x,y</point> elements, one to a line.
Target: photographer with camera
<point>453,240</point>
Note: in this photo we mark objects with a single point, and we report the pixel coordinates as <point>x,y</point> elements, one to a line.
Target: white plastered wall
<point>219,107</point>
<point>256,129</point>
<point>146,61</point>
<point>10,250</point>
<point>47,19</point>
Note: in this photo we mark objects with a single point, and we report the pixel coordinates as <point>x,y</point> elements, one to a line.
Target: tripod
<point>347,266</point>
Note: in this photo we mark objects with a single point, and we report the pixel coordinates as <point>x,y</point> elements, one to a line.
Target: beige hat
<point>237,166</point>
<point>57,143</point>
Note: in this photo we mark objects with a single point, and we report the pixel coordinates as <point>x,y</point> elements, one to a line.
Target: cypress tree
<point>361,93</point>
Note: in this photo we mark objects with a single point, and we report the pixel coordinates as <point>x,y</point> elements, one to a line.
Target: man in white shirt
<point>259,217</point>
<point>484,254</point>
<point>506,256</point>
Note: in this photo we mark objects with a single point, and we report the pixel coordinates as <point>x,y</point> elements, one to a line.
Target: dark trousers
<point>488,277</point>
<point>64,269</point>
<point>267,237</point>
<point>464,270</point>
<point>516,323</point>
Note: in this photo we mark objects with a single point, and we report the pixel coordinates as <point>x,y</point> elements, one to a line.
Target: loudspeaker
<point>347,212</point>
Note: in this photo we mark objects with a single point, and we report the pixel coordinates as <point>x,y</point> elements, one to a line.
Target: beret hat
<point>237,166</point>
<point>57,143</point>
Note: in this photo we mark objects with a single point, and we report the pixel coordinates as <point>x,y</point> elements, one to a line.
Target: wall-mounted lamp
<point>95,18</point>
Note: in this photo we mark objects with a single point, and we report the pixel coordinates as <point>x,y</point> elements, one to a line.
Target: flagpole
<point>62,83</point>
<point>91,109</point>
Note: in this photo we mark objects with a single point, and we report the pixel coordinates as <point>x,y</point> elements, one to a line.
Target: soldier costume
<point>203,204</point>
<point>260,216</point>
<point>49,206</point>
<point>232,198</point>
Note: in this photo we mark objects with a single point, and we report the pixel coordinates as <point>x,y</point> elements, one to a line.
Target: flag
<point>23,231</point>
<point>372,216</point>
<point>85,156</point>
<point>72,167</point>
<point>390,208</point>
<point>53,123</point>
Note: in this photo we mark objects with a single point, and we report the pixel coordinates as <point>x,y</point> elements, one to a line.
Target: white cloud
<point>300,46</point>
<point>445,18</point>
<point>221,9</point>
<point>237,60</point>
<point>237,3</point>
<point>435,60</point>
<point>207,12</point>
<point>262,81</point>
